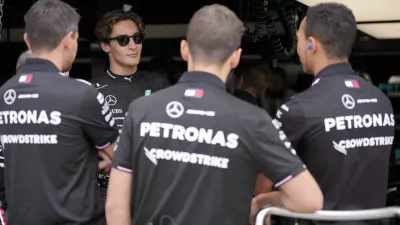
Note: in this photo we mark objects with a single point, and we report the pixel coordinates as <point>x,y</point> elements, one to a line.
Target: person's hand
<point>255,208</point>
<point>104,165</point>
<point>268,220</point>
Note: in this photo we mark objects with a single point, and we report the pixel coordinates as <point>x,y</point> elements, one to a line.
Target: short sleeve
<point>122,159</point>
<point>2,177</point>
<point>291,120</point>
<point>97,119</point>
<point>274,154</point>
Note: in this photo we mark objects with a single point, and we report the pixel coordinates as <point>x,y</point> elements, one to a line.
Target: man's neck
<point>219,72</point>
<point>52,57</point>
<point>122,71</point>
<point>321,65</point>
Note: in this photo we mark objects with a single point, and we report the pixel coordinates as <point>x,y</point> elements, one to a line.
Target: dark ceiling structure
<point>153,12</point>
<point>279,22</point>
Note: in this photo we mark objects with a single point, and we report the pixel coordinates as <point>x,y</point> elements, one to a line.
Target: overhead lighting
<point>127,7</point>
<point>367,10</point>
<point>381,30</point>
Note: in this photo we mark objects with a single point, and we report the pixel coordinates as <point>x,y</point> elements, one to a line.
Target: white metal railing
<point>369,214</point>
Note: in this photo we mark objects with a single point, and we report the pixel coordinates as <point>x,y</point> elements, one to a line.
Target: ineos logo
<point>10,96</point>
<point>111,100</point>
<point>174,109</point>
<point>348,101</point>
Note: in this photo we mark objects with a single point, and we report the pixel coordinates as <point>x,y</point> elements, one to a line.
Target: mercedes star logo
<point>348,101</point>
<point>111,100</point>
<point>175,109</point>
<point>10,96</point>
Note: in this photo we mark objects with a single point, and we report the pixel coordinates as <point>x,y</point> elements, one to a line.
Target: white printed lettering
<point>30,117</point>
<point>108,117</point>
<point>284,107</point>
<point>329,123</point>
<point>43,117</point>
<point>282,135</point>
<point>112,122</point>
<point>144,129</point>
<point>364,142</point>
<point>357,121</point>
<point>372,100</point>
<point>55,117</point>
<point>116,110</point>
<point>193,158</point>
<point>232,141</point>
<point>191,134</point>
<point>219,138</point>
<point>340,125</point>
<point>166,127</point>
<point>29,139</point>
<point>105,109</point>
<point>278,114</point>
<point>100,98</point>
<point>277,124</point>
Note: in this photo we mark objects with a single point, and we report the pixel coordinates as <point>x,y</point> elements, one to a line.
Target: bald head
<point>214,33</point>
<point>22,58</point>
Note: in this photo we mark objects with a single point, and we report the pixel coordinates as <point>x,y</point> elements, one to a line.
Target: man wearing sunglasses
<point>120,34</point>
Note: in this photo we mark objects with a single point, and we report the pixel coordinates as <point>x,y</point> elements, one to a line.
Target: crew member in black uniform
<point>49,125</point>
<point>182,160</point>
<point>121,34</point>
<point>342,126</point>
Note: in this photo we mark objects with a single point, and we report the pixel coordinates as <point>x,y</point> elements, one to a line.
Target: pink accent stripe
<point>124,169</point>
<point>283,181</point>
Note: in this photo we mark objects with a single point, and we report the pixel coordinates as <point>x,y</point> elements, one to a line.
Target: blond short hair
<point>22,58</point>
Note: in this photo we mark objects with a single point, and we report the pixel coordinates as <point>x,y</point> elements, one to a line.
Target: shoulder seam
<point>84,81</point>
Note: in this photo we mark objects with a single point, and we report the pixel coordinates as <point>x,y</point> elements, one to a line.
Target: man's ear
<point>313,42</point>
<point>69,39</point>
<point>26,39</point>
<point>236,58</point>
<point>184,50</point>
<point>105,47</point>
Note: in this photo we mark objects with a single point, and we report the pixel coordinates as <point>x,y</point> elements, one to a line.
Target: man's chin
<point>66,69</point>
<point>133,63</point>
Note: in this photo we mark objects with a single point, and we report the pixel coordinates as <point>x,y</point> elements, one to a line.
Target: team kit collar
<point>333,70</point>
<point>199,76</point>
<point>39,65</point>
<point>121,78</point>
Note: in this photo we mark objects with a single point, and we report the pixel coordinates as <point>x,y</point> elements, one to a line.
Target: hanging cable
<point>266,26</point>
<point>288,19</point>
<point>259,9</point>
<point>1,16</point>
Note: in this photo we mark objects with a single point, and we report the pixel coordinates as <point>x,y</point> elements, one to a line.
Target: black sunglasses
<point>123,40</point>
